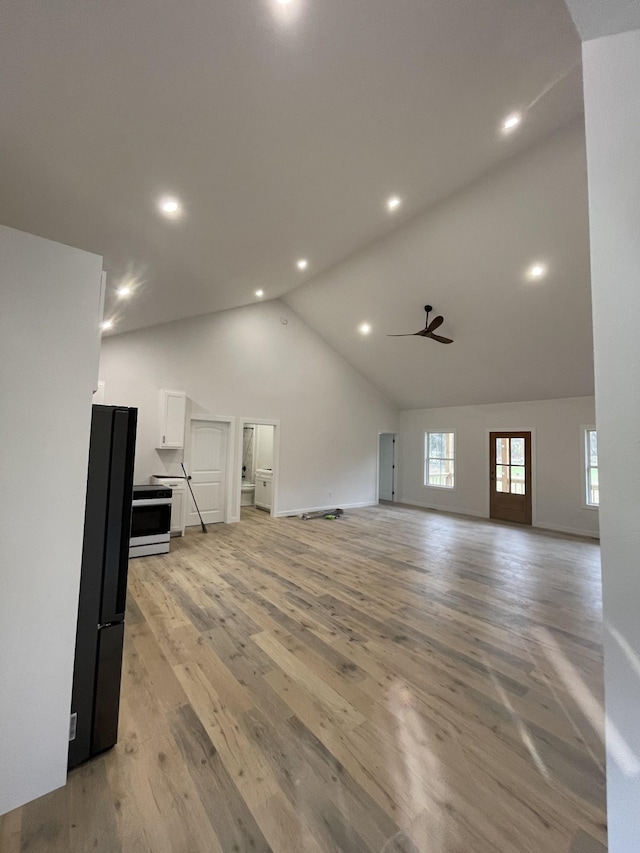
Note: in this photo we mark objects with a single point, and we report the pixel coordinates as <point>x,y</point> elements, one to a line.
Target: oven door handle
<point>151,502</point>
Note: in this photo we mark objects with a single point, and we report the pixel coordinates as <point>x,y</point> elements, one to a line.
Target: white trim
<point>291,512</point>
<point>534,461</point>
<point>449,510</point>
<point>574,531</point>
<point>426,432</point>
<point>201,416</point>
<point>552,528</point>
<point>216,419</point>
<point>237,475</point>
<point>99,393</point>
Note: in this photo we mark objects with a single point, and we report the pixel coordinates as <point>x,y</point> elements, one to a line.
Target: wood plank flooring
<point>391,682</point>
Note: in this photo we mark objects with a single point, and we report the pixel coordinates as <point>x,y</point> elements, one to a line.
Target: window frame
<point>426,457</point>
<point>586,467</point>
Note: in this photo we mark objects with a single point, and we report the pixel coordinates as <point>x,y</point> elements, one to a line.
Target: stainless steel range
<point>150,521</point>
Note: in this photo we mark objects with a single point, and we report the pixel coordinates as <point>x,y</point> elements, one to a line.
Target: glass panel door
<point>510,476</point>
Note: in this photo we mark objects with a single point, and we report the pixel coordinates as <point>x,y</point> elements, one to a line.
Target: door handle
<point>492,477</point>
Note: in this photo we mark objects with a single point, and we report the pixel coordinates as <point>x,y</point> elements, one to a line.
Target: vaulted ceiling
<point>282,128</point>
<point>516,336</point>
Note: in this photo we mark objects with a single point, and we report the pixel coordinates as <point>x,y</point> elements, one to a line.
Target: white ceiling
<point>281,128</point>
<point>595,19</point>
<point>514,339</point>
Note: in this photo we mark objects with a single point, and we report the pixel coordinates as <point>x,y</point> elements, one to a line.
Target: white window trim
<point>584,478</point>
<point>448,489</point>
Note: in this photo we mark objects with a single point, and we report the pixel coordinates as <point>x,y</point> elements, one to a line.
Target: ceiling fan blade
<point>427,332</point>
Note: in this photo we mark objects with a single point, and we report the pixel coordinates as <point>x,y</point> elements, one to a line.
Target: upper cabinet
<point>172,414</point>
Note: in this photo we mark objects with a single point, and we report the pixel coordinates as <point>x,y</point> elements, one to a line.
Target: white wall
<point>49,312</point>
<point>612,101</point>
<point>247,363</point>
<point>558,499</point>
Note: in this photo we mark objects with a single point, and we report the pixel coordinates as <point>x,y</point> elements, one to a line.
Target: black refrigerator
<point>103,583</point>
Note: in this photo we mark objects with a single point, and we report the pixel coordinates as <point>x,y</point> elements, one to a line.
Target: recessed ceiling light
<point>284,2</point>
<point>260,293</point>
<point>537,271</point>
<point>170,207</point>
<point>364,328</point>
<point>124,291</point>
<point>393,203</point>
<point>511,122</point>
<point>107,324</point>
<point>302,264</point>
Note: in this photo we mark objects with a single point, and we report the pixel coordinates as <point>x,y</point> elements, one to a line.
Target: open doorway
<point>258,467</point>
<point>387,466</point>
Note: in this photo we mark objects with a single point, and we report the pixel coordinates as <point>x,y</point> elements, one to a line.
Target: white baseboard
<point>287,512</point>
<point>554,528</point>
<point>447,509</point>
<point>573,531</point>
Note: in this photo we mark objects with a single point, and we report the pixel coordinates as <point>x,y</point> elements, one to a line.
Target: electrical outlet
<point>330,493</point>
<point>73,726</point>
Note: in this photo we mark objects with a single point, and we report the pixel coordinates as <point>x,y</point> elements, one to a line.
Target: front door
<point>208,464</point>
<point>510,476</point>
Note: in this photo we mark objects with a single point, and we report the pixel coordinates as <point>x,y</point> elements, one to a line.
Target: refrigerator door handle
<point>114,590</point>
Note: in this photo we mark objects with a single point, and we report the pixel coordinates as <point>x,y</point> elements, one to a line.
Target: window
<point>511,464</point>
<point>439,455</point>
<point>592,489</point>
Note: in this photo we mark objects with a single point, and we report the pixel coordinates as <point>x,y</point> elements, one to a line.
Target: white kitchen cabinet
<point>172,412</point>
<point>178,509</point>
<point>178,501</point>
<point>264,488</point>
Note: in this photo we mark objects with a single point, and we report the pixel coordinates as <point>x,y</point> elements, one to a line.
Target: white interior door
<point>208,464</point>
<point>386,467</point>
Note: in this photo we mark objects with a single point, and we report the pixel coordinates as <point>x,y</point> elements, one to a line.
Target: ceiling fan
<point>427,332</point>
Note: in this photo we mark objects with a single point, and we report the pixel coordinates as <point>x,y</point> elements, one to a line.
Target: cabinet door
<point>263,493</point>
<point>177,511</point>
<point>173,409</point>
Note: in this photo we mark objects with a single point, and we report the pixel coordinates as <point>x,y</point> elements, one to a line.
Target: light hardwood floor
<point>395,680</point>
